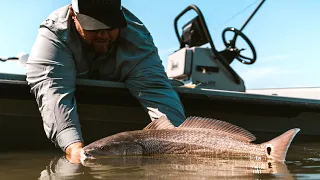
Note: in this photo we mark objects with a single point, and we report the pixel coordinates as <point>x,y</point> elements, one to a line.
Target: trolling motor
<point>191,62</point>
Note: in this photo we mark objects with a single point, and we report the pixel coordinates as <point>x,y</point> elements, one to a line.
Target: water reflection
<point>303,162</point>
<point>165,167</point>
<point>61,168</point>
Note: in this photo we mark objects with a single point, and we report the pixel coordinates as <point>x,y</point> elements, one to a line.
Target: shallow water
<point>303,162</point>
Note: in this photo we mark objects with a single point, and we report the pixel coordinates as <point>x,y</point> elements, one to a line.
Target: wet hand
<point>73,152</point>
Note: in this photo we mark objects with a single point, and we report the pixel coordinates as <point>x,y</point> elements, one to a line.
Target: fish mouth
<point>92,153</point>
<point>85,154</point>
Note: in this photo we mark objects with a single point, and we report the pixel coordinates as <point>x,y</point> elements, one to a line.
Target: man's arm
<point>149,83</point>
<point>51,74</point>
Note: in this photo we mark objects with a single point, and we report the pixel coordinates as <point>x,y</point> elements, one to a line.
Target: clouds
<point>274,58</point>
<point>271,71</point>
<point>266,67</point>
<point>257,73</point>
<point>11,67</point>
<point>264,73</point>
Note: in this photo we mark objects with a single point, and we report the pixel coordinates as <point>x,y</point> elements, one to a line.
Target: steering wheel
<point>231,45</point>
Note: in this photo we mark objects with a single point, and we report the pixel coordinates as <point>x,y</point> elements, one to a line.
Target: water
<point>303,162</point>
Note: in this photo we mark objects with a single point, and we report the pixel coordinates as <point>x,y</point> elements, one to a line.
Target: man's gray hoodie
<point>59,56</point>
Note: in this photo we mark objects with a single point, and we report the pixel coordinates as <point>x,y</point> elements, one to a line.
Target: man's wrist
<point>68,136</point>
<point>72,146</point>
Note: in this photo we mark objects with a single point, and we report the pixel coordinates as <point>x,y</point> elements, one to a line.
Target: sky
<point>285,34</point>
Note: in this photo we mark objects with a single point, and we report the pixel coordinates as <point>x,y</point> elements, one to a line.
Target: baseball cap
<point>99,14</point>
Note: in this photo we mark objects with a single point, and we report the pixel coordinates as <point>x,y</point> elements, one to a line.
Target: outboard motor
<point>207,67</point>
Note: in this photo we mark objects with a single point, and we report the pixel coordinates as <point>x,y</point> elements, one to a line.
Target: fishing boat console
<point>206,83</point>
<point>204,67</point>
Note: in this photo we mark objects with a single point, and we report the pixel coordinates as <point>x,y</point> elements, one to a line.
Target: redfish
<point>195,136</point>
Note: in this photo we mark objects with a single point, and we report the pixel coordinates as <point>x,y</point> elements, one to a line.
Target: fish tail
<point>277,148</point>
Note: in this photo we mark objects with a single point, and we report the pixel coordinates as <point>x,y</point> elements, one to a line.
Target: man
<point>96,39</point>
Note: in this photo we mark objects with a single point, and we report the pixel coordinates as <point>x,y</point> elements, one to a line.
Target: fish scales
<point>196,136</point>
<point>193,141</point>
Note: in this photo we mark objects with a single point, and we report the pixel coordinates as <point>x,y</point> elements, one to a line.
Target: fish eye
<point>103,147</point>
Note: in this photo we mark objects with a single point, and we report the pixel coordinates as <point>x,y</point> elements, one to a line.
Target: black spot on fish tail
<point>269,150</point>
<point>276,149</point>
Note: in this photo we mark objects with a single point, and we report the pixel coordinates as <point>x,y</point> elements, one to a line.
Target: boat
<point>206,83</point>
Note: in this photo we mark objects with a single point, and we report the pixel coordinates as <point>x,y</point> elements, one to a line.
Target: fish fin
<point>218,125</point>
<point>277,148</point>
<point>161,123</point>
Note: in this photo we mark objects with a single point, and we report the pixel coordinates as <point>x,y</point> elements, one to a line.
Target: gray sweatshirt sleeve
<point>149,83</point>
<point>51,74</point>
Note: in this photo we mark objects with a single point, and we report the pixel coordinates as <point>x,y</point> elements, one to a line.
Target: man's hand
<point>73,152</point>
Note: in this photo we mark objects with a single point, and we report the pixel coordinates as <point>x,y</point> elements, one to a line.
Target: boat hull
<point>106,108</point>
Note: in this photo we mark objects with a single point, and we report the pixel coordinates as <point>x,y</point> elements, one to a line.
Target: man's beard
<point>98,48</point>
<point>101,47</point>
